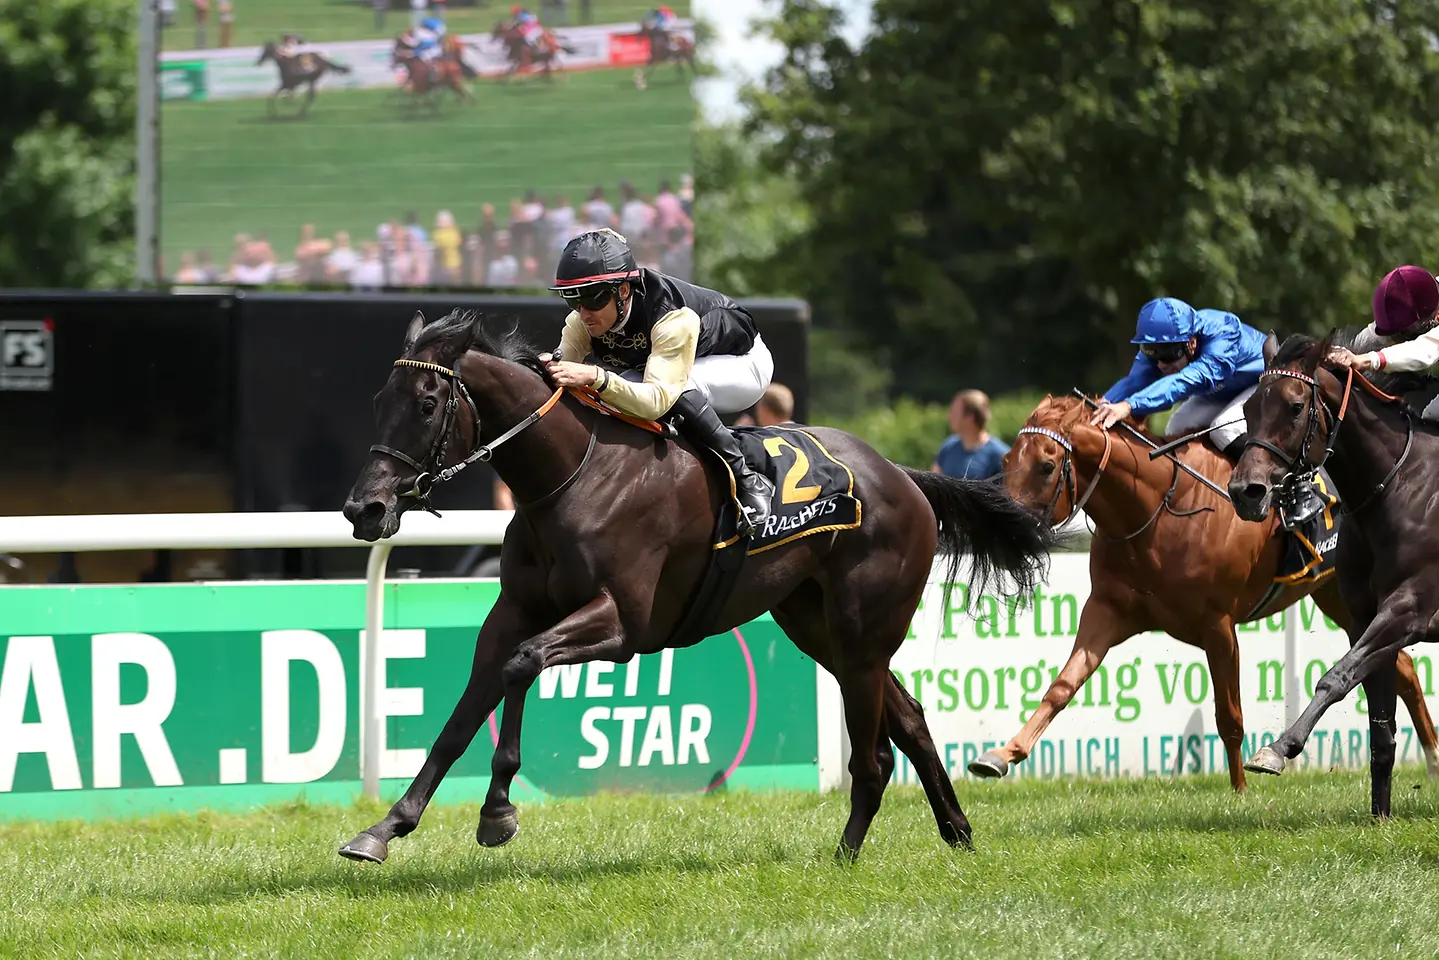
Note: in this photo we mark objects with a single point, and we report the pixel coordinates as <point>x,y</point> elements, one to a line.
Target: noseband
<point>1299,467</point>
<point>424,480</point>
<point>1066,471</point>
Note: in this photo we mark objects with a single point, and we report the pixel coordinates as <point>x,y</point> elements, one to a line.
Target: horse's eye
<point>1296,407</point>
<point>427,406</point>
<point>1046,467</point>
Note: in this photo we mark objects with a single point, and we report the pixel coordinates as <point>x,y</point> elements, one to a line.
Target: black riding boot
<point>702,426</point>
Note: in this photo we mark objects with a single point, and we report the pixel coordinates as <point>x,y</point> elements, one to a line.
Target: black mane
<point>1300,347</point>
<point>462,330</point>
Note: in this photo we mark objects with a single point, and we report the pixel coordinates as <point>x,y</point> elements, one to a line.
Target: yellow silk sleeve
<point>672,357</point>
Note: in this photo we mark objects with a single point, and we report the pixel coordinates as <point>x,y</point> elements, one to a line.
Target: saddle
<point>814,493</point>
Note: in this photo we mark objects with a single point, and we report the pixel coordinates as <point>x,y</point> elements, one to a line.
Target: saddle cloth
<point>1309,548</point>
<point>813,490</point>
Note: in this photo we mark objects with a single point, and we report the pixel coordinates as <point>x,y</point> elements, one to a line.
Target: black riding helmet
<point>600,258</point>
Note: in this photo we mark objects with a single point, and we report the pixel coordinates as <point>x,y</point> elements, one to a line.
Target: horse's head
<point>422,410</point>
<point>1038,469</point>
<point>1287,424</point>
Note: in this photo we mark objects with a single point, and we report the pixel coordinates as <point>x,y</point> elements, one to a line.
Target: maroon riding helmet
<point>1407,295</point>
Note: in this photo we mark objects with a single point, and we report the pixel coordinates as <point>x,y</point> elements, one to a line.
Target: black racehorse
<point>1385,464</point>
<point>297,70</point>
<point>613,531</point>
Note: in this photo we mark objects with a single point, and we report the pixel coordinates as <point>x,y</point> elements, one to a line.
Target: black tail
<point>978,518</point>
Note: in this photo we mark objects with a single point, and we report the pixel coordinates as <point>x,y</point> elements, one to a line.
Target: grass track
<point>330,21</point>
<point>365,156</point>
<point>1123,869</point>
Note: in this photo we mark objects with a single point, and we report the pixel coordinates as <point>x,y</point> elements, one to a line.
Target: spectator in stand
<point>205,261</point>
<point>202,14</point>
<point>227,23</point>
<point>368,273</point>
<point>678,257</point>
<point>257,265</point>
<point>526,225</point>
<point>669,211</point>
<point>529,273</point>
<point>504,269</point>
<point>636,216</point>
<point>189,272</point>
<point>412,224</point>
<point>447,242</point>
<point>310,255</point>
<point>341,260</point>
<point>400,261</point>
<point>687,194</point>
<point>381,7</point>
<point>597,210</point>
<point>970,451</point>
<point>560,223</point>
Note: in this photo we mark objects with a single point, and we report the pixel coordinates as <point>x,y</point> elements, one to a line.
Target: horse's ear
<point>1271,347</point>
<point>412,333</point>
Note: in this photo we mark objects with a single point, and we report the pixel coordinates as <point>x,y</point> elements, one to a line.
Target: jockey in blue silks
<point>1207,361</point>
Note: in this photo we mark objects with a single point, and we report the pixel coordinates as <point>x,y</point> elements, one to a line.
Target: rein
<point>1299,467</point>
<point>1066,483</point>
<point>424,480</point>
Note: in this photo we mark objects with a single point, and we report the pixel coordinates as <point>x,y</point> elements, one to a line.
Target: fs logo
<point>27,354</point>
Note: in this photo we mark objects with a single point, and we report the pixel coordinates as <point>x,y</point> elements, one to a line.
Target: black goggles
<point>590,298</point>
<point>1164,352</point>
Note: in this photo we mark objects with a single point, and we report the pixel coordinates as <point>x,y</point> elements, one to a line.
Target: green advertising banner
<point>123,699</point>
<point>183,80</point>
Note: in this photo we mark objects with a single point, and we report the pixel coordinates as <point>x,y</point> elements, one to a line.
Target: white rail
<point>235,531</point>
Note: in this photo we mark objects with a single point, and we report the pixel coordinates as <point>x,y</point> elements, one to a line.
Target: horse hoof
<point>497,831</point>
<point>1431,764</point>
<point>366,848</point>
<point>1266,760</point>
<point>990,766</point>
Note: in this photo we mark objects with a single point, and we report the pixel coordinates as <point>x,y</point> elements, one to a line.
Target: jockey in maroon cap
<point>1403,334</point>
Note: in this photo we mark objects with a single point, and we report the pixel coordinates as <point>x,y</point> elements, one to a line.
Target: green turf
<point>366,156</point>
<point>1128,869</point>
<point>321,21</point>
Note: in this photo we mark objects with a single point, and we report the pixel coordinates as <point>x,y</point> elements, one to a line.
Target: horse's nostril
<point>371,512</point>
<point>1254,492</point>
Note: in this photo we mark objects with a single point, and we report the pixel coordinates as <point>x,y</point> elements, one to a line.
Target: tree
<point>996,186</point>
<point>67,143</point>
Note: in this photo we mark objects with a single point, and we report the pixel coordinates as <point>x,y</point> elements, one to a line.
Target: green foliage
<point>996,186</point>
<point>67,142</point>
<point>909,432</point>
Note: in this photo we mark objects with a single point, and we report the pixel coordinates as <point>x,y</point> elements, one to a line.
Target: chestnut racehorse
<point>1168,554</point>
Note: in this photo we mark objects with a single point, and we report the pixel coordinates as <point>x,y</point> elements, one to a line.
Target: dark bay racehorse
<point>1385,462</point>
<point>425,79</point>
<point>613,530</point>
<point>1168,554</point>
<point>666,47</point>
<point>522,54</point>
<point>298,70</point>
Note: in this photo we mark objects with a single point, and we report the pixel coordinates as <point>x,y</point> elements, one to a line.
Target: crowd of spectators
<point>518,251</point>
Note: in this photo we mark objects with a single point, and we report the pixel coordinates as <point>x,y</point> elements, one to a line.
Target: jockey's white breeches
<point>1224,413</point>
<point>731,383</point>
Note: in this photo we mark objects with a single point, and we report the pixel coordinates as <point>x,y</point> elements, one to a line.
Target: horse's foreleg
<point>1380,692</point>
<point>1221,647</point>
<point>1394,627</point>
<point>1101,627</point>
<point>309,99</point>
<point>1412,693</point>
<point>591,633</point>
<point>503,630</point>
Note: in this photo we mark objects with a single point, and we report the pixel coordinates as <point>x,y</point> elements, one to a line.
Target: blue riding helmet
<point>1165,320</point>
<point>431,23</point>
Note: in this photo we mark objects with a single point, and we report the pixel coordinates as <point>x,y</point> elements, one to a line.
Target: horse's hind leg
<point>1412,693</point>
<point>1379,690</point>
<point>904,722</point>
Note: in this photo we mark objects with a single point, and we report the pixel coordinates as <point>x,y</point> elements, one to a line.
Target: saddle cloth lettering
<point>813,491</point>
<point>1309,549</point>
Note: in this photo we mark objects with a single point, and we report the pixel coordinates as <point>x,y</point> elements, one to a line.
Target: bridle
<point>1066,483</point>
<point>425,481</point>
<point>1299,466</point>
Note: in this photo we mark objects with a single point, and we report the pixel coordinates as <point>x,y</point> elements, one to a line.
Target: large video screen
<point>440,143</point>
